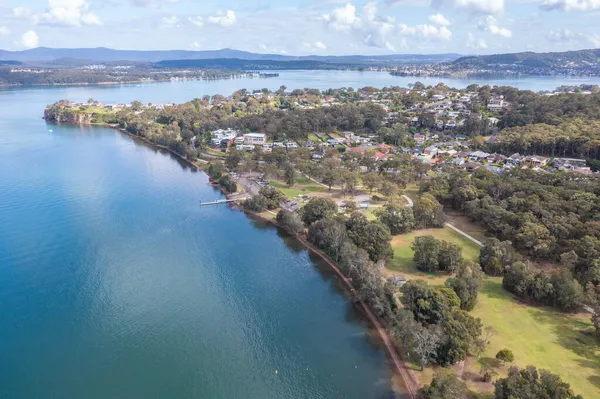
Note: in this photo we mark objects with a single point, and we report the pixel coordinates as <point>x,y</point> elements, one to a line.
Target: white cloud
<point>315,46</point>
<point>67,13</point>
<point>4,31</point>
<point>30,39</point>
<point>224,19</point>
<point>152,3</point>
<point>263,47</point>
<point>22,12</point>
<point>568,36</point>
<point>426,32</point>
<point>490,24</point>
<point>481,6</point>
<point>474,43</point>
<point>198,21</point>
<point>343,18</point>
<point>170,21</point>
<point>569,5</point>
<point>439,19</point>
<point>371,29</point>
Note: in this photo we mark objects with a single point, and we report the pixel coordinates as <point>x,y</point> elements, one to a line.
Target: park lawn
<point>403,254</point>
<point>369,213</point>
<point>304,186</point>
<point>216,153</point>
<point>459,220</point>
<point>412,191</point>
<point>539,336</point>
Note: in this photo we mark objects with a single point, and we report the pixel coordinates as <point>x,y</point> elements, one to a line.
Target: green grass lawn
<point>303,186</point>
<point>314,138</point>
<point>403,254</point>
<point>542,337</point>
<point>538,336</point>
<point>411,191</point>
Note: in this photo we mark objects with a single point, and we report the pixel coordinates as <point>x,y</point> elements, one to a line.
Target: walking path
<point>459,231</point>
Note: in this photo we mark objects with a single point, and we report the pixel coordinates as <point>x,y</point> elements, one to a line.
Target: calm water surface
<point>114,283</point>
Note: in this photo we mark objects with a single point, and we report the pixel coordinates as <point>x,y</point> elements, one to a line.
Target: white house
<point>255,138</point>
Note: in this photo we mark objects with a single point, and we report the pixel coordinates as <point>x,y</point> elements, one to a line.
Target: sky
<point>303,27</point>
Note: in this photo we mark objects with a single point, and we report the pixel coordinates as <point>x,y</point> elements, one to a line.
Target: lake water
<point>114,283</point>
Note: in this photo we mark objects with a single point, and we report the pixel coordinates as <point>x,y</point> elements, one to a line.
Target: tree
<point>328,235</point>
<point>461,330</point>
<point>329,176</point>
<point>426,341</point>
<point>256,203</point>
<point>428,305</point>
<point>371,180</point>
<point>529,383</point>
<point>496,255</point>
<point>290,221</point>
<point>505,356</point>
<point>449,257</point>
<point>373,237</point>
<point>290,174</point>
<point>272,196</point>
<point>233,159</point>
<point>399,219</point>
<point>466,284</point>
<point>349,180</point>
<point>429,212</point>
<point>317,209</point>
<point>444,385</point>
<point>426,253</point>
<point>388,188</point>
<point>536,239</point>
<point>228,184</point>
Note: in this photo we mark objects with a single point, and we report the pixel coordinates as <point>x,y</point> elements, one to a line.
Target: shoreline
<point>410,383</point>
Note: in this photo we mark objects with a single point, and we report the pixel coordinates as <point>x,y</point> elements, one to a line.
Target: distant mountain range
<point>101,54</point>
<point>533,60</point>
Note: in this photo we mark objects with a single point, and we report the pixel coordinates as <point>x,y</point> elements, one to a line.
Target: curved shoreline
<point>410,383</point>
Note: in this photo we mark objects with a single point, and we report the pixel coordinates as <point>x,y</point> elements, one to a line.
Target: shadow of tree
<point>574,335</point>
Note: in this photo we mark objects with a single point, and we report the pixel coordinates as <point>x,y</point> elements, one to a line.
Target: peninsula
<point>455,214</point>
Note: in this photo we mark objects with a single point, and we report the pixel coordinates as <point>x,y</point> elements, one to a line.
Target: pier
<point>217,202</point>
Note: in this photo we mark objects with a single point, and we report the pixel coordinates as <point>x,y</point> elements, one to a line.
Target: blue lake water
<point>114,283</point>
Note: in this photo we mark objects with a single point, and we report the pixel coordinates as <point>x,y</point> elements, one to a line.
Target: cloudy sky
<point>301,27</point>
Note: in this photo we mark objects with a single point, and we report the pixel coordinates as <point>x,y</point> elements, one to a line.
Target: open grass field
<point>411,191</point>
<point>538,336</point>
<point>403,255</point>
<point>303,186</point>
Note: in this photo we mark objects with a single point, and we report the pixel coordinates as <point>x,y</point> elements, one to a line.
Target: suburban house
<point>255,138</point>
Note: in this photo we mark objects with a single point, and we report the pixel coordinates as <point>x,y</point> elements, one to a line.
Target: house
<point>317,155</point>
<point>496,158</point>
<point>239,140</point>
<point>470,166</point>
<point>398,280</point>
<point>244,147</point>
<point>431,151</point>
<point>478,155</point>
<point>569,163</point>
<point>419,138</point>
<point>255,138</point>
<point>514,159</point>
<point>535,161</point>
